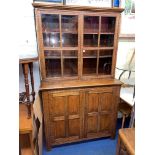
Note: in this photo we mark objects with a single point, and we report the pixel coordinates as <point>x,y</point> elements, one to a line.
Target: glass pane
<point>69,23</point>
<point>105,62</point>
<point>50,29</point>
<point>53,63</point>
<point>50,23</point>
<point>89,62</point>
<point>51,39</point>
<point>70,61</point>
<point>108,24</point>
<point>106,40</point>
<point>69,40</point>
<point>91,24</point>
<point>90,40</point>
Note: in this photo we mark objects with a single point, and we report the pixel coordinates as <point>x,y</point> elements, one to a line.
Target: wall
<point>28,44</point>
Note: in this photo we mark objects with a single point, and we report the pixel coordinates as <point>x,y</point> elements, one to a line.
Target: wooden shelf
<point>107,33</point>
<point>72,32</point>
<point>50,32</point>
<point>106,56</point>
<point>87,57</point>
<point>98,48</point>
<point>65,57</point>
<point>52,57</point>
<point>90,32</point>
<point>47,48</point>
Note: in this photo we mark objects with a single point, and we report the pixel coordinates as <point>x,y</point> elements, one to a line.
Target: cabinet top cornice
<point>75,8</point>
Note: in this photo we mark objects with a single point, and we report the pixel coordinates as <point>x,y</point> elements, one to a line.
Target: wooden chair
<point>126,142</point>
<point>125,110</point>
<point>127,93</point>
<point>25,128</point>
<point>126,137</point>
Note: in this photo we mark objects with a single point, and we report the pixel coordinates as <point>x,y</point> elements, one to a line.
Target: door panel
<point>73,104</point>
<point>74,115</point>
<point>66,115</point>
<point>92,124</point>
<point>58,106</point>
<point>99,112</point>
<point>92,102</point>
<point>74,127</point>
<point>59,129</point>
<point>105,121</point>
<point>106,101</point>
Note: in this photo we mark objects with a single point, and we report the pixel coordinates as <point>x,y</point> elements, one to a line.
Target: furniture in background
<point>77,53</point>
<point>125,110</point>
<point>126,141</point>
<point>127,93</point>
<point>25,130</point>
<point>27,65</point>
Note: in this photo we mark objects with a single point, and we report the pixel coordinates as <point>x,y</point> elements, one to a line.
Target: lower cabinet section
<point>79,114</point>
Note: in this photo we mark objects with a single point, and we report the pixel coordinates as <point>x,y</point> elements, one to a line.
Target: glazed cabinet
<point>77,49</point>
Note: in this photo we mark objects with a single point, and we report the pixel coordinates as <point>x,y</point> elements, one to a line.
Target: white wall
<point>27,42</point>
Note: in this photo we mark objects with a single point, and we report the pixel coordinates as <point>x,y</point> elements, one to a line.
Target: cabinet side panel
<point>40,42</point>
<point>116,100</point>
<point>47,125</point>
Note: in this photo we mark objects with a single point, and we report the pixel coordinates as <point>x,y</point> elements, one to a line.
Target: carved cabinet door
<point>65,110</point>
<point>99,108</point>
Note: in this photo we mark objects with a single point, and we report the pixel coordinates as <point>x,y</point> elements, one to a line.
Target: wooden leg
<point>20,152</point>
<point>25,72</point>
<point>31,142</point>
<point>118,146</point>
<point>123,120</point>
<point>32,80</point>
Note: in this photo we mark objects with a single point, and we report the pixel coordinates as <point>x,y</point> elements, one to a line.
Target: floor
<point>103,146</point>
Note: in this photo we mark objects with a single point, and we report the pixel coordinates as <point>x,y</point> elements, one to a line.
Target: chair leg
<point>123,120</point>
<point>118,146</point>
<point>31,142</point>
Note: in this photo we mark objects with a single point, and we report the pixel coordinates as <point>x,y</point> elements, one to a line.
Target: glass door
<point>98,45</point>
<point>61,45</point>
<point>90,42</point>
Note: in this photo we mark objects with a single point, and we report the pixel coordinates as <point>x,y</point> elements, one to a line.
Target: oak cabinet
<point>77,49</point>
<point>79,114</point>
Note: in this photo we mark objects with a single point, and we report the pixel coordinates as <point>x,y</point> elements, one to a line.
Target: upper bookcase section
<point>76,8</point>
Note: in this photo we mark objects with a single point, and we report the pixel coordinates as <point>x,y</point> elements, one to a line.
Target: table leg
<point>25,71</point>
<point>32,80</point>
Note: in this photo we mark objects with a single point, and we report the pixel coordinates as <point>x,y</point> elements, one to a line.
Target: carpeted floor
<point>102,146</point>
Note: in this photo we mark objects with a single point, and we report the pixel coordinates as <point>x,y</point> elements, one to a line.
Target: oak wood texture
<point>27,60</point>
<point>53,85</point>
<point>126,141</point>
<point>78,114</point>
<point>25,128</point>
<point>85,106</point>
<point>77,8</point>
